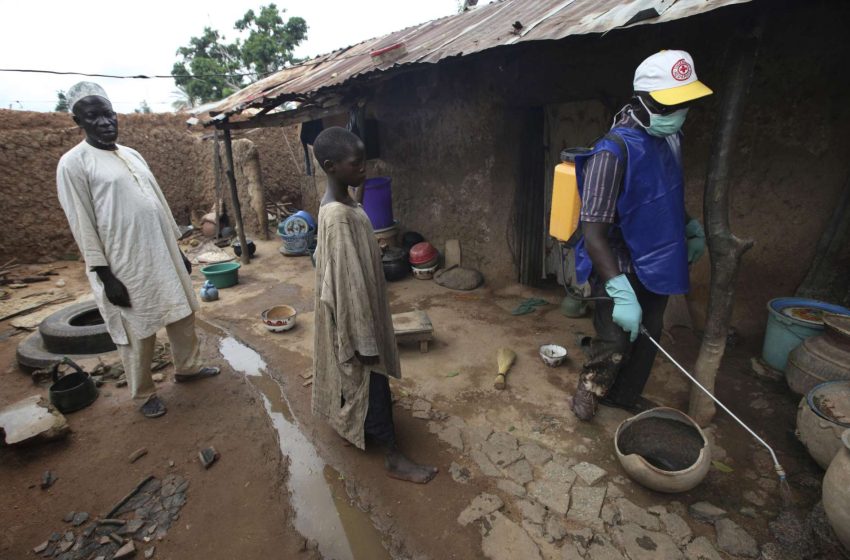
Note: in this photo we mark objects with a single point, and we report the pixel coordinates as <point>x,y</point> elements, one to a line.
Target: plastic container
<point>790,321</point>
<point>378,201</point>
<point>566,202</point>
<point>423,255</point>
<point>222,275</point>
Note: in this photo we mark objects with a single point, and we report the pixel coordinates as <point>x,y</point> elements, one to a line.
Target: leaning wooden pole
<point>234,195</point>
<point>724,247</point>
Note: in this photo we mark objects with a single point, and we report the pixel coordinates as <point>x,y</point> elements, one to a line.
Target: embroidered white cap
<point>670,78</point>
<point>83,89</point>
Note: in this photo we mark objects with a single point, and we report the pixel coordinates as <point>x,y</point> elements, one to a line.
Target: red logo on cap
<point>681,70</point>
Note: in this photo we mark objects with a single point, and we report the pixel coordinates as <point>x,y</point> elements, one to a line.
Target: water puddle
<point>322,509</point>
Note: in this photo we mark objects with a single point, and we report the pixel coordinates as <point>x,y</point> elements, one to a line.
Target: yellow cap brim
<point>681,94</point>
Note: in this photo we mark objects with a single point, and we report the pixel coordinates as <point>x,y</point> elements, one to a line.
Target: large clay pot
<point>836,492</point>
<point>655,478</point>
<point>821,358</point>
<point>822,417</point>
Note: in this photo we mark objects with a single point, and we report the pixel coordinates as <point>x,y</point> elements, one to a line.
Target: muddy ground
<point>284,477</point>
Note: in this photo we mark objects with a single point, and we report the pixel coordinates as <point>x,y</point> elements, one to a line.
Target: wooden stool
<point>414,326</point>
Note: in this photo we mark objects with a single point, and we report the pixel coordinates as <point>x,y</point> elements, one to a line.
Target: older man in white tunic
<point>128,239</point>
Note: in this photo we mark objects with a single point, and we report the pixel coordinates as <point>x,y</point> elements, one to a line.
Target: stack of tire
<point>74,331</point>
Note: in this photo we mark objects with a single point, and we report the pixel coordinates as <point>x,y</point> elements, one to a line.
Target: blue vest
<point>650,211</point>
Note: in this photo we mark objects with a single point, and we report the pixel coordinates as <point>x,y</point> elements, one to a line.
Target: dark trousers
<point>379,418</point>
<point>617,368</point>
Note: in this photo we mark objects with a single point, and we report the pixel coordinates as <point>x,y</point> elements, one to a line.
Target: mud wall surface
<point>449,137</point>
<point>32,143</point>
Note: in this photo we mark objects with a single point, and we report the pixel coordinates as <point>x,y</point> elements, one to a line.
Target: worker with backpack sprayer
<point>636,241</point>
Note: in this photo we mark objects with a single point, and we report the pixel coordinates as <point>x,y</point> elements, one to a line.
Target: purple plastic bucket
<point>378,201</point>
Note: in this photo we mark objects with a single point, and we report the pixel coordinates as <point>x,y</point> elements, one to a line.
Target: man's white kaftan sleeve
<point>75,198</point>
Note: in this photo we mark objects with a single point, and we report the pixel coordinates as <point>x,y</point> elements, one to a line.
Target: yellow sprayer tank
<point>566,202</point>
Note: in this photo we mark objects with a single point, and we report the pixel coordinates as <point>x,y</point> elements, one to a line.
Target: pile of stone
<point>545,505</point>
<point>140,518</point>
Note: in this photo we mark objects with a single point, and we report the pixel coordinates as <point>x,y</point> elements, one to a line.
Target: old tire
<point>76,329</point>
<point>32,354</point>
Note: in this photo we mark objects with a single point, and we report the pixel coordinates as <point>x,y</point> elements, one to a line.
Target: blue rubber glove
<point>696,240</point>
<point>627,311</point>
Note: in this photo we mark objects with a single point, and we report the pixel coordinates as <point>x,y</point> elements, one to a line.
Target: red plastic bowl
<point>422,253</point>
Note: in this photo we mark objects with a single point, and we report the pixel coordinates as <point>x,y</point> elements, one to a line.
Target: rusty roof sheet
<point>462,34</point>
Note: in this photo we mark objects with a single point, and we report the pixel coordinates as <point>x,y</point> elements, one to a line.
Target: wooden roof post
<point>234,195</point>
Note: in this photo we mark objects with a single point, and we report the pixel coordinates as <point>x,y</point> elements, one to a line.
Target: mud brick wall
<point>31,144</point>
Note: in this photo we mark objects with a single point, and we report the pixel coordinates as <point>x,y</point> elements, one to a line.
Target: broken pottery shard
<point>535,454</point>
<point>640,544</point>
<point>47,480</point>
<point>511,487</point>
<point>137,454</point>
<point>589,472</point>
<point>508,541</point>
<point>704,511</point>
<point>476,435</point>
<point>69,516</point>
<point>501,455</point>
<point>553,495</point>
<point>586,503</point>
<point>701,549</point>
<point>532,511</point>
<point>630,513</point>
<point>558,470</point>
<point>733,539</point>
<point>451,435</point>
<point>41,548</point>
<point>208,456</point>
<point>482,505</point>
<point>486,466</point>
<point>519,472</point>
<point>603,550</point>
<point>459,474</point>
<point>554,528</point>
<point>32,419</point>
<point>150,552</point>
<point>125,551</point>
<point>79,518</point>
<point>677,528</point>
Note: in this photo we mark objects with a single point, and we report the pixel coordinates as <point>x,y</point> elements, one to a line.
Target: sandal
<point>201,374</point>
<point>153,407</point>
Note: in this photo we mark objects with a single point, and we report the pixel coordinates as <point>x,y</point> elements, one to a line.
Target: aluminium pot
<point>821,358</point>
<point>73,391</point>
<point>836,492</point>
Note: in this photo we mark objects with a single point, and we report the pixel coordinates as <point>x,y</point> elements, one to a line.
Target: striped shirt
<point>603,175</point>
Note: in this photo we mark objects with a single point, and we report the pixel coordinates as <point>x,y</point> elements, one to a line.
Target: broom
<point>504,358</point>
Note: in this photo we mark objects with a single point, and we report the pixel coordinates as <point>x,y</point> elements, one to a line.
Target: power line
<point>137,76</point>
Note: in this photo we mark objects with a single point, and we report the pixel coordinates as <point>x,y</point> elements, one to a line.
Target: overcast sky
<point>129,38</point>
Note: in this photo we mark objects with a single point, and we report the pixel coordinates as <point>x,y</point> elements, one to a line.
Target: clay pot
<point>821,358</point>
<point>822,417</point>
<point>655,478</point>
<point>836,492</point>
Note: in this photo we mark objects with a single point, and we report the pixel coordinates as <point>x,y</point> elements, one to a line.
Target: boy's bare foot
<point>402,468</point>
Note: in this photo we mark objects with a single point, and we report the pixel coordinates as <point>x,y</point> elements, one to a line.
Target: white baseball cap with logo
<point>670,78</point>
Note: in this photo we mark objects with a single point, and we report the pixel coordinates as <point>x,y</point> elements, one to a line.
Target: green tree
<point>144,107</point>
<point>61,102</point>
<point>210,68</point>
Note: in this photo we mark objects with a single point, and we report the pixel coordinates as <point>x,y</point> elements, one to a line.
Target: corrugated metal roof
<point>462,34</point>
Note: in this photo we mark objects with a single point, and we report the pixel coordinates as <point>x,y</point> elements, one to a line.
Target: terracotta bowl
<point>279,318</point>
